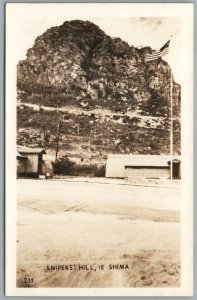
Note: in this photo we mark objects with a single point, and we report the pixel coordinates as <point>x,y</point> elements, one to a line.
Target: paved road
<point>69,223</point>
<point>99,194</point>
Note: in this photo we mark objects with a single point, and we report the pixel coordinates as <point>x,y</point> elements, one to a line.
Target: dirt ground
<point>78,234</point>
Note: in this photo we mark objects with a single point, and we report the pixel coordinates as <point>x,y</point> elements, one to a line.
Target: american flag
<point>161,52</point>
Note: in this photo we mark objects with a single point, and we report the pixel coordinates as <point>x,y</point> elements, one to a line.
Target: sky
<point>137,31</point>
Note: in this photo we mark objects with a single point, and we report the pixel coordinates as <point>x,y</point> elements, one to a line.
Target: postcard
<point>99,149</point>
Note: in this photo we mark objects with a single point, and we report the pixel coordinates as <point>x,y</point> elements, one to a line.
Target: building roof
<point>28,150</point>
<point>18,155</point>
<point>133,160</point>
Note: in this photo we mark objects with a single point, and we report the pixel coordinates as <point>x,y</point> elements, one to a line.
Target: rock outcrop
<point>122,103</point>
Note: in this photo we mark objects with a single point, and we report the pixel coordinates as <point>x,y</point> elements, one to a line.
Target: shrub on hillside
<point>89,170</point>
<point>63,166</point>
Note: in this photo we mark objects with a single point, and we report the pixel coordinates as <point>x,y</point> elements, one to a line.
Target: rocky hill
<point>95,92</point>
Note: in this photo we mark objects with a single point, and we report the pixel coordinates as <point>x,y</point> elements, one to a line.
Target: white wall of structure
<point>148,166</point>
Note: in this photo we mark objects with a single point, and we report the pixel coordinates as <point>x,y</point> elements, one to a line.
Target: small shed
<point>143,166</point>
<point>21,163</point>
<point>29,161</point>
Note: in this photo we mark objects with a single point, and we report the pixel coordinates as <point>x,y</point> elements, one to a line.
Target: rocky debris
<point>91,135</point>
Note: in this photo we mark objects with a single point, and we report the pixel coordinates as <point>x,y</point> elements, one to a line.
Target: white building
<point>143,166</point>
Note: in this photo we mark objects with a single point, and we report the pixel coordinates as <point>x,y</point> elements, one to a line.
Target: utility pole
<point>58,138</point>
<point>171,124</point>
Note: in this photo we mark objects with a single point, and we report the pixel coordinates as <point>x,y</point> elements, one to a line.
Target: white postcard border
<point>185,12</point>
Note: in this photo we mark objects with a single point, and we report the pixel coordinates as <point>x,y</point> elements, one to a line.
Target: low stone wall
<point>153,182</point>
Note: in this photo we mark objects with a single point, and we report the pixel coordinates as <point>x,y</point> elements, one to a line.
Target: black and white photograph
<point>99,149</point>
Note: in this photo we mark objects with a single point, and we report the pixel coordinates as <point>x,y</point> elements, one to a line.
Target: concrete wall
<point>47,168</point>
<point>115,168</point>
<point>147,172</point>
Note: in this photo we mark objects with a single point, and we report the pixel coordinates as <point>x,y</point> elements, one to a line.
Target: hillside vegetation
<point>107,98</point>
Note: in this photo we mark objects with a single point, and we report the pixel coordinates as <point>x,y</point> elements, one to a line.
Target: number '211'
<point>28,280</point>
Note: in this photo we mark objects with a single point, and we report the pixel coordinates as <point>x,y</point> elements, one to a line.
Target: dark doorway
<point>40,164</point>
<point>176,170</point>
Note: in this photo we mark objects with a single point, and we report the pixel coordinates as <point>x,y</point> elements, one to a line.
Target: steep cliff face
<point>107,95</point>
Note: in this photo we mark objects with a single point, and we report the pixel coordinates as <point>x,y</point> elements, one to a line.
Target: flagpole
<point>171,124</point>
<point>154,56</point>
